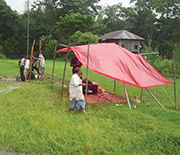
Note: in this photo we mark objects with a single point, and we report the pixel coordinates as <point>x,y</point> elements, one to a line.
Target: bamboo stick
<point>127,96</point>
<point>54,64</point>
<point>32,49</point>
<point>154,97</point>
<point>174,76</point>
<point>45,40</point>
<point>141,93</point>
<point>38,56</point>
<point>65,67</point>
<point>87,74</point>
<point>43,77</point>
<point>114,85</point>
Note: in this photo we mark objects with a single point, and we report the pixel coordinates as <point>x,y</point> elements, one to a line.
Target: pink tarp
<point>111,60</point>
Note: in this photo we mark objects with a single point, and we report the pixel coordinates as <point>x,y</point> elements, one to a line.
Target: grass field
<point>34,119</point>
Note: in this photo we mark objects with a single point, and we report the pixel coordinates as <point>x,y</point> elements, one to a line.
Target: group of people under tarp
<point>25,67</point>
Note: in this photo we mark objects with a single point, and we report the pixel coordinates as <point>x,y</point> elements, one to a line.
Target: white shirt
<point>41,59</point>
<point>22,61</point>
<point>75,91</point>
<point>26,66</point>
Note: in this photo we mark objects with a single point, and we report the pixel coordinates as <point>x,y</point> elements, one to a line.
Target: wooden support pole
<point>45,40</point>
<point>43,77</point>
<point>38,56</point>
<point>154,97</point>
<point>141,93</point>
<point>127,96</point>
<point>114,85</point>
<point>54,64</point>
<point>65,67</point>
<point>32,49</point>
<point>87,73</point>
<point>174,75</point>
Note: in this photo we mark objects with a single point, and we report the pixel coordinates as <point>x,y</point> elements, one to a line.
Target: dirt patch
<point>10,79</point>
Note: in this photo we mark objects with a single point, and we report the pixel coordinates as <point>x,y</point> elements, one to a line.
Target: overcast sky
<point>19,5</point>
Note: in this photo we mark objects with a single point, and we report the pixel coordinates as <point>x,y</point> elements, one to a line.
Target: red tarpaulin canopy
<point>111,60</point>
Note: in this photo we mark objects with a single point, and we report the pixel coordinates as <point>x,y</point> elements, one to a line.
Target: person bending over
<point>77,101</point>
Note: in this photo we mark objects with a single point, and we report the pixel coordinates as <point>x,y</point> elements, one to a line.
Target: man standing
<point>42,64</point>
<point>75,63</point>
<point>77,101</point>
<point>26,67</point>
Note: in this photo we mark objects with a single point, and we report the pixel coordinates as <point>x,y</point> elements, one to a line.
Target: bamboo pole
<point>174,75</point>
<point>127,96</point>
<point>43,77</point>
<point>54,64</point>
<point>141,93</point>
<point>65,67</point>
<point>27,27</point>
<point>38,56</point>
<point>45,40</point>
<point>87,73</point>
<point>154,98</point>
<point>32,49</point>
<point>114,85</point>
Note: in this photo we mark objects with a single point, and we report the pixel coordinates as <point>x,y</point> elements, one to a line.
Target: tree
<point>48,50</point>
<point>144,20</point>
<point>79,38</point>
<point>8,22</point>
<point>113,17</point>
<point>163,17</point>
<point>56,8</point>
<point>69,24</point>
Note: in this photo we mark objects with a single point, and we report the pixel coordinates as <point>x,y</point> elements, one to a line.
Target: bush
<point>161,65</point>
<point>79,38</point>
<point>2,56</point>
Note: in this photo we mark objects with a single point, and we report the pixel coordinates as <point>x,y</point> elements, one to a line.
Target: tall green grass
<point>34,119</point>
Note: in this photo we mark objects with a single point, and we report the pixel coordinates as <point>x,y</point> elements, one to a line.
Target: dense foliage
<point>157,21</point>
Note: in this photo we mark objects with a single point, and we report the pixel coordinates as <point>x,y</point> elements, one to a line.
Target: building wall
<point>131,45</point>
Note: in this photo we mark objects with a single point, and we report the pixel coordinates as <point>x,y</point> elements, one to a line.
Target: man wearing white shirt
<point>22,68</point>
<point>77,101</point>
<point>26,67</point>
<point>42,64</point>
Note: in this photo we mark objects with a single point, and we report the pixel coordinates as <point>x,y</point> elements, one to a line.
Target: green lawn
<point>34,119</point>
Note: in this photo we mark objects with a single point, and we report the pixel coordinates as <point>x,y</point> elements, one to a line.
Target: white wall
<point>130,45</point>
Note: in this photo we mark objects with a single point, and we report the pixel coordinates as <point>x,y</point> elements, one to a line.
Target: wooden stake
<point>114,85</point>
<point>43,77</point>
<point>65,67</point>
<point>38,56</point>
<point>32,49</point>
<point>127,96</point>
<point>154,97</point>
<point>45,40</point>
<point>87,73</point>
<point>54,64</point>
<point>174,75</point>
<point>141,93</point>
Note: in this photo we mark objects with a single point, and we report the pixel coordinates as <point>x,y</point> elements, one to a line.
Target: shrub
<point>161,65</point>
<point>2,56</point>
